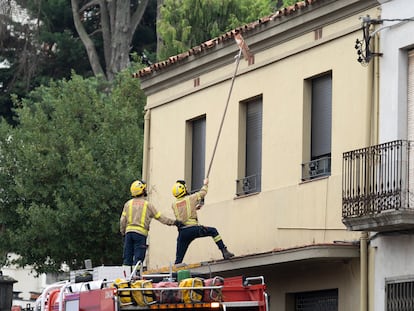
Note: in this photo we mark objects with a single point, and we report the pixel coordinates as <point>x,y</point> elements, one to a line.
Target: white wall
<point>393,260</point>
<point>26,283</point>
<point>393,253</point>
<point>395,38</point>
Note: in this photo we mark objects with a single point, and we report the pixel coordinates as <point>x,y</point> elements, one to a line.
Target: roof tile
<point>227,36</point>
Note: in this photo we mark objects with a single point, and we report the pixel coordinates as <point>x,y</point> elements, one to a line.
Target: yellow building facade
<point>275,166</point>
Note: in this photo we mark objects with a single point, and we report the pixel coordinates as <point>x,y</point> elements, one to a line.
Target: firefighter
<point>135,222</point>
<point>185,210</point>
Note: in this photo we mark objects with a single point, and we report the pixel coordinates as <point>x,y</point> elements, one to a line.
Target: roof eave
<point>311,253</point>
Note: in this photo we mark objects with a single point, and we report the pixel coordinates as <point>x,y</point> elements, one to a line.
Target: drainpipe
<point>146,145</point>
<point>376,90</point>
<point>373,98</point>
<point>373,72</point>
<point>371,102</point>
<point>363,245</point>
<point>145,156</point>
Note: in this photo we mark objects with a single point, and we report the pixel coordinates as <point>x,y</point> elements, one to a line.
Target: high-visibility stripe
<point>144,214</point>
<point>189,221</point>
<point>217,238</point>
<point>158,215</point>
<point>137,228</point>
<point>187,204</point>
<point>130,212</point>
<point>177,215</point>
<point>176,212</point>
<point>141,226</point>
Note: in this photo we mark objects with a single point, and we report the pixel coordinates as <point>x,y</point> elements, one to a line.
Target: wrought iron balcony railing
<point>316,168</point>
<point>247,185</point>
<point>377,187</point>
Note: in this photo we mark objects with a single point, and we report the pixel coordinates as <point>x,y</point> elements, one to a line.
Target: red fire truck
<point>157,292</point>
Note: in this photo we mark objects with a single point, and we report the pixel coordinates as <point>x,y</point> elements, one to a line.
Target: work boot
<point>226,253</point>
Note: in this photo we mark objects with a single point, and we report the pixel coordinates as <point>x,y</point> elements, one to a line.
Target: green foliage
<point>289,2</point>
<point>38,51</point>
<point>50,48</point>
<point>66,171</point>
<point>187,23</point>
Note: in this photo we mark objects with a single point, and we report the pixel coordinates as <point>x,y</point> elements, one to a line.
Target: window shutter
<point>321,116</point>
<point>198,153</point>
<point>254,140</point>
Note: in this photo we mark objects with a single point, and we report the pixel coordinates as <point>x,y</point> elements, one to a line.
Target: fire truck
<point>162,291</point>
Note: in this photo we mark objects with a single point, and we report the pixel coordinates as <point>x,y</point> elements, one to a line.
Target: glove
<point>178,223</point>
<point>200,203</point>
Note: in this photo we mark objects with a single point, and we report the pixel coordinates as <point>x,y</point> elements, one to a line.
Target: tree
<point>285,3</point>
<point>44,45</point>
<point>16,49</point>
<point>38,40</point>
<point>66,170</point>
<point>183,24</point>
<point>116,22</point>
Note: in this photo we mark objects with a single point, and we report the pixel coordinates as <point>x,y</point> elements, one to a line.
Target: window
<point>197,139</point>
<point>250,165</point>
<point>318,130</point>
<point>400,296</point>
<point>321,300</point>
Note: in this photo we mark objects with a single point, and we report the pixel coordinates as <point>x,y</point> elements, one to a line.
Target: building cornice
<point>265,33</point>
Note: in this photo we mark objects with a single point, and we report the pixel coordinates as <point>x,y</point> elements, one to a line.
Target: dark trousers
<point>135,247</point>
<point>189,234</point>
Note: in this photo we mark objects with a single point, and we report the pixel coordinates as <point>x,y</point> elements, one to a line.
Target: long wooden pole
<point>224,113</point>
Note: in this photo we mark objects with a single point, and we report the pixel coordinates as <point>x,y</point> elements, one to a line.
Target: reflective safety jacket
<point>137,215</point>
<point>185,208</point>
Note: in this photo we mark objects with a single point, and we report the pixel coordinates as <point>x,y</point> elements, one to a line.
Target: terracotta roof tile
<point>227,36</point>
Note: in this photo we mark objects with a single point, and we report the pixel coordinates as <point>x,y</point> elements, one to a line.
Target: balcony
<point>377,187</point>
<point>316,168</point>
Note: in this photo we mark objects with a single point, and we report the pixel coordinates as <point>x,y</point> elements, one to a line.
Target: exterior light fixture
<point>364,46</point>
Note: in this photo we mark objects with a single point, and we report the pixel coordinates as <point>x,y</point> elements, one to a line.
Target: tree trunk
<point>121,38</point>
<point>118,23</point>
<point>159,4</point>
<point>107,25</point>
<point>87,42</point>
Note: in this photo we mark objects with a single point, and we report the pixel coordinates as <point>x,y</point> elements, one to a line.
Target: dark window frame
<point>323,300</point>
<point>251,145</point>
<point>319,127</point>
<point>399,293</point>
<point>197,139</point>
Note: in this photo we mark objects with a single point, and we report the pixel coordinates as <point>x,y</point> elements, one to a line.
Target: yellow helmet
<point>179,189</point>
<point>138,187</point>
